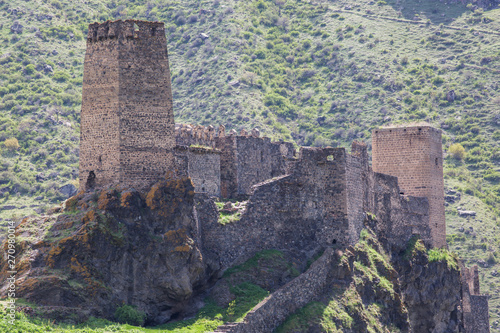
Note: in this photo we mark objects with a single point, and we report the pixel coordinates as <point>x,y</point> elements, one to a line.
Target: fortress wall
<point>127,132</point>
<point>228,165</point>
<point>358,187</point>
<point>300,212</point>
<point>99,134</point>
<point>399,217</point>
<point>197,135</point>
<point>258,159</point>
<point>414,155</point>
<point>275,309</point>
<point>249,160</point>
<point>480,313</point>
<point>146,120</point>
<point>203,167</point>
<point>475,308</point>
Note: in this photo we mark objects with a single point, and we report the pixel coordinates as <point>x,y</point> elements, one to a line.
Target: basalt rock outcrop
<point>114,247</point>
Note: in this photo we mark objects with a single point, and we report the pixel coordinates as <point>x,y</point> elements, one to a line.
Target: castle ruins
<point>313,197</point>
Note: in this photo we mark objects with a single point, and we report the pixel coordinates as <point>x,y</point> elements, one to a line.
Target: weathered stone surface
<point>415,155</point>
<point>431,293</point>
<point>127,123</point>
<point>68,190</point>
<point>123,247</point>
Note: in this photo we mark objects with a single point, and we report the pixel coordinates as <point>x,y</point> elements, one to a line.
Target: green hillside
<point>319,73</point>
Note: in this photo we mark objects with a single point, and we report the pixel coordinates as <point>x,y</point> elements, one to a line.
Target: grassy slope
<point>317,73</point>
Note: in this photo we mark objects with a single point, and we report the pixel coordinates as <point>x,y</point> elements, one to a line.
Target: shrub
<point>128,314</point>
<point>61,76</point>
<point>11,144</point>
<point>443,255</point>
<point>260,54</point>
<point>30,69</point>
<point>457,151</point>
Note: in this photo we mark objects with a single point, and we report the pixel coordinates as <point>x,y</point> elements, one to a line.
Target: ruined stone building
<point>474,305</point>
<point>303,200</point>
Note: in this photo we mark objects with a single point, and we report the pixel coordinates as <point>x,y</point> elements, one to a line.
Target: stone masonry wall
<point>188,135</point>
<point>127,133</point>
<point>203,167</point>
<point>300,212</point>
<point>475,308</point>
<point>272,311</point>
<point>400,217</point>
<point>358,187</point>
<point>259,159</point>
<point>322,201</point>
<point>414,155</point>
<point>249,160</point>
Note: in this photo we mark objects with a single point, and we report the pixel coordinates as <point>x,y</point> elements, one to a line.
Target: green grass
<point>209,317</point>
<point>443,255</point>
<point>271,255</point>
<point>414,245</point>
<point>228,217</point>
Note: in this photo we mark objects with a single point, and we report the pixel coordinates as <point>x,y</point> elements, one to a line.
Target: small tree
<point>11,144</point>
<point>457,151</point>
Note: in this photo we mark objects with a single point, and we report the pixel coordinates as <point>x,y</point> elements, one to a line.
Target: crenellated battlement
<point>125,29</point>
<point>189,134</point>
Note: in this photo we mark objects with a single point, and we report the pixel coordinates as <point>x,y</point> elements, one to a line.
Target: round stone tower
<point>415,156</point>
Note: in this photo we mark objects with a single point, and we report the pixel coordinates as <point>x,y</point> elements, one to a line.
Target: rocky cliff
<point>114,247</point>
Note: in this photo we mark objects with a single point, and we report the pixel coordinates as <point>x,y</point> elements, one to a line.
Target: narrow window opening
<point>437,161</point>
<point>153,31</point>
<point>90,184</point>
<point>402,193</point>
<point>334,242</point>
<point>100,158</point>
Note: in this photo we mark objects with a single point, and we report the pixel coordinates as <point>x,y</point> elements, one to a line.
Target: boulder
<point>16,28</point>
<point>68,190</point>
<point>466,213</point>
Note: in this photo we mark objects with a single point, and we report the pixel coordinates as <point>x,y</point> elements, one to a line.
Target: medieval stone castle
<point>310,197</point>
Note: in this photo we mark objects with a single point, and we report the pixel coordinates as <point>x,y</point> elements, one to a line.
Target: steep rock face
<point>431,293</point>
<point>373,290</point>
<point>115,247</point>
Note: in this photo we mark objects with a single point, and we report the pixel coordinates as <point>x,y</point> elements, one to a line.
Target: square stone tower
<point>415,156</point>
<point>127,123</point>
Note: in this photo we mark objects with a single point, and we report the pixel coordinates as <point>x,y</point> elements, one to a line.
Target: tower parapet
<point>125,29</point>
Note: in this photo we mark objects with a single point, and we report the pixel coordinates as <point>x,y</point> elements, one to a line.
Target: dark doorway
<point>90,181</point>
